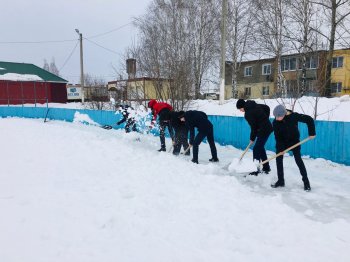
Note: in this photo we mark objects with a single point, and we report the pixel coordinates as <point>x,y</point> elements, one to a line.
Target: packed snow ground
<point>72,192</point>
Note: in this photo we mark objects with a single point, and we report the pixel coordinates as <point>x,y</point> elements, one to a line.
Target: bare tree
<point>96,93</point>
<point>271,34</point>
<point>336,12</point>
<point>302,37</point>
<point>203,32</point>
<point>52,68</point>
<point>176,42</point>
<point>239,35</point>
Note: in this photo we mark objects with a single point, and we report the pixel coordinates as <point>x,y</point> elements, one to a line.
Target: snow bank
<point>82,193</point>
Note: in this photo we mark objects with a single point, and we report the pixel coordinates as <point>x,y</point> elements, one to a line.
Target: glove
<point>118,123</point>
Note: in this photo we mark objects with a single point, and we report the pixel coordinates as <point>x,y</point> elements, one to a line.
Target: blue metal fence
<point>332,138</point>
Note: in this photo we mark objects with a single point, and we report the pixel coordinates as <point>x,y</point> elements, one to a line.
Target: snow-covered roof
<point>27,72</point>
<point>20,77</point>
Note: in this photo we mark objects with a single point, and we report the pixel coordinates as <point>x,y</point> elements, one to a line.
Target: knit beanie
<point>240,104</point>
<point>279,111</point>
<point>180,114</point>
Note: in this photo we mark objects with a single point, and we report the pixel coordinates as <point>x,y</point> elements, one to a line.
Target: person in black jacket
<point>130,121</point>
<point>285,127</point>
<point>199,120</point>
<point>257,116</point>
<point>181,134</point>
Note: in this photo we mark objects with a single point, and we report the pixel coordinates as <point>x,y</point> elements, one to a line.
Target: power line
<point>70,55</point>
<point>111,31</point>
<point>62,41</point>
<point>101,46</point>
<point>37,42</point>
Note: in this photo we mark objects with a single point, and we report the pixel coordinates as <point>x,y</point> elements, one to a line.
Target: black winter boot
<point>307,186</point>
<point>214,159</point>
<point>162,149</point>
<point>266,170</point>
<point>194,161</point>
<point>279,183</point>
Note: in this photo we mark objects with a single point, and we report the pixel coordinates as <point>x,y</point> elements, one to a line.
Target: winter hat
<point>152,103</point>
<point>180,114</point>
<point>279,111</point>
<point>240,104</point>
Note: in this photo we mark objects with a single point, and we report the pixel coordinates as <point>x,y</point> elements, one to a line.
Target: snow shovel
<point>235,164</point>
<point>283,152</point>
<point>171,147</point>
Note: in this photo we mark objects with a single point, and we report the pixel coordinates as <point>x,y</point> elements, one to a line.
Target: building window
<point>336,87</point>
<point>311,62</point>
<point>266,69</point>
<point>337,62</point>
<point>248,71</point>
<point>247,91</point>
<point>288,64</point>
<point>266,91</point>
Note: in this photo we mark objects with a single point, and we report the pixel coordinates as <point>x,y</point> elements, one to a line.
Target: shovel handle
<point>188,148</point>
<point>245,151</point>
<point>171,147</point>
<point>285,151</point>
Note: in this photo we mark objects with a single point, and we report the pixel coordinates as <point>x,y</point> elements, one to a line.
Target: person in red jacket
<point>162,110</point>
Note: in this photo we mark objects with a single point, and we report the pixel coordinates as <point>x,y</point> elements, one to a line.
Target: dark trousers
<point>199,138</point>
<point>130,125</point>
<point>181,139</point>
<point>162,126</point>
<point>259,152</point>
<point>298,161</point>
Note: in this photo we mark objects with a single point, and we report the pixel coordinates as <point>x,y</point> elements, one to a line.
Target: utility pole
<point>81,66</point>
<point>223,51</point>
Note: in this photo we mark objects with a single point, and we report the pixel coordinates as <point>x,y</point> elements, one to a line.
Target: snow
<point>83,118</point>
<point>74,192</point>
<point>20,77</point>
<point>329,109</point>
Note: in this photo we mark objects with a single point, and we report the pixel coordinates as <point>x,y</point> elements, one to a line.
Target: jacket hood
<point>152,103</point>
<point>249,105</point>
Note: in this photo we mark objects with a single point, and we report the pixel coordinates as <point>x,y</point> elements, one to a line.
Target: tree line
<point>180,39</point>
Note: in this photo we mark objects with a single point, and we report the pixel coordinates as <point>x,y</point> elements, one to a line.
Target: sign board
<point>73,93</point>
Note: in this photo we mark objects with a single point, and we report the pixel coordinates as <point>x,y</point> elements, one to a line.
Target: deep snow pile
<point>72,192</point>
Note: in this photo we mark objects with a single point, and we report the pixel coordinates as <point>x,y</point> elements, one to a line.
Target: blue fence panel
<point>235,131</point>
<point>332,138</point>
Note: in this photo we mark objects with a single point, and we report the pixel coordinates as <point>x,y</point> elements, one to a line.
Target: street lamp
<point>81,65</point>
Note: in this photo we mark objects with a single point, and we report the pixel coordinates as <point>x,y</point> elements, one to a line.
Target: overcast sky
<point>56,20</point>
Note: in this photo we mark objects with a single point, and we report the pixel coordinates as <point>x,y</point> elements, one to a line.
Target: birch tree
<point>271,31</point>
<point>239,35</point>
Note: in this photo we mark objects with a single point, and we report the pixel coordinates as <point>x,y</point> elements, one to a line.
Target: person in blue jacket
<point>198,119</point>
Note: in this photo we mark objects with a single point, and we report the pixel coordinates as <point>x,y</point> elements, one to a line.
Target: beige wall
<point>256,90</point>
<point>145,89</point>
